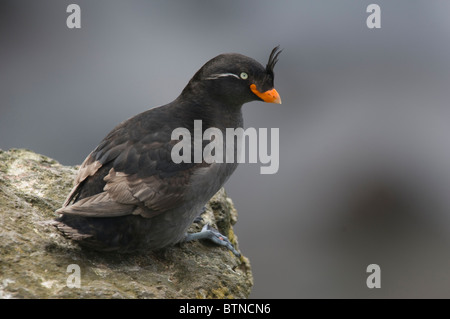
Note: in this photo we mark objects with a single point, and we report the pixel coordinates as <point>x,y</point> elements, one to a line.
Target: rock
<point>34,256</point>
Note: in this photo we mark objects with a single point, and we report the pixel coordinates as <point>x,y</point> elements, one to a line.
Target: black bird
<point>129,194</point>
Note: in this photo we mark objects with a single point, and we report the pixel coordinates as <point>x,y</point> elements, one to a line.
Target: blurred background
<point>364,172</point>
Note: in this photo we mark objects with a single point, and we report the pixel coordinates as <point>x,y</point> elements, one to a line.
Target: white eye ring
<point>244,76</point>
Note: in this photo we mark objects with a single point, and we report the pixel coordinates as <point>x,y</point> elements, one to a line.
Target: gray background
<point>364,125</point>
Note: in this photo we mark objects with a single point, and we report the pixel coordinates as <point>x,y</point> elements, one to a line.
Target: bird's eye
<point>244,76</point>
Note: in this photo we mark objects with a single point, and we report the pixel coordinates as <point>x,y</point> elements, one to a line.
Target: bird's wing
<point>139,177</point>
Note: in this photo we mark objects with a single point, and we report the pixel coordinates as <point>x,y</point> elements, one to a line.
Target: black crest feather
<point>273,59</point>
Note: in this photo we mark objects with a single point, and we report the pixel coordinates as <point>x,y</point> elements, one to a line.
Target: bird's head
<point>236,79</point>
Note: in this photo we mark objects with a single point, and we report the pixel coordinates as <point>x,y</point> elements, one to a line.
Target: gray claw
<point>213,235</point>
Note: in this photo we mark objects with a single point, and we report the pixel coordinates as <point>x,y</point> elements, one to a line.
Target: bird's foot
<point>199,218</point>
<point>212,234</point>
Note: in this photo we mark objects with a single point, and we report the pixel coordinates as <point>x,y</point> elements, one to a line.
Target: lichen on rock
<point>34,256</point>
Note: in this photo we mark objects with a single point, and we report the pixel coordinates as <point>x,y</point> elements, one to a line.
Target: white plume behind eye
<point>221,75</point>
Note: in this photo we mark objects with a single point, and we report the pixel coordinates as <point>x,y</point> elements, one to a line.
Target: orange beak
<point>270,96</point>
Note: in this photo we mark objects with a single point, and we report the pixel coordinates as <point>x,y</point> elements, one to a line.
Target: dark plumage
<point>129,194</point>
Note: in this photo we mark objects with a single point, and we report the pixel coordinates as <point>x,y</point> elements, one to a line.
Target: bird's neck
<point>212,112</point>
